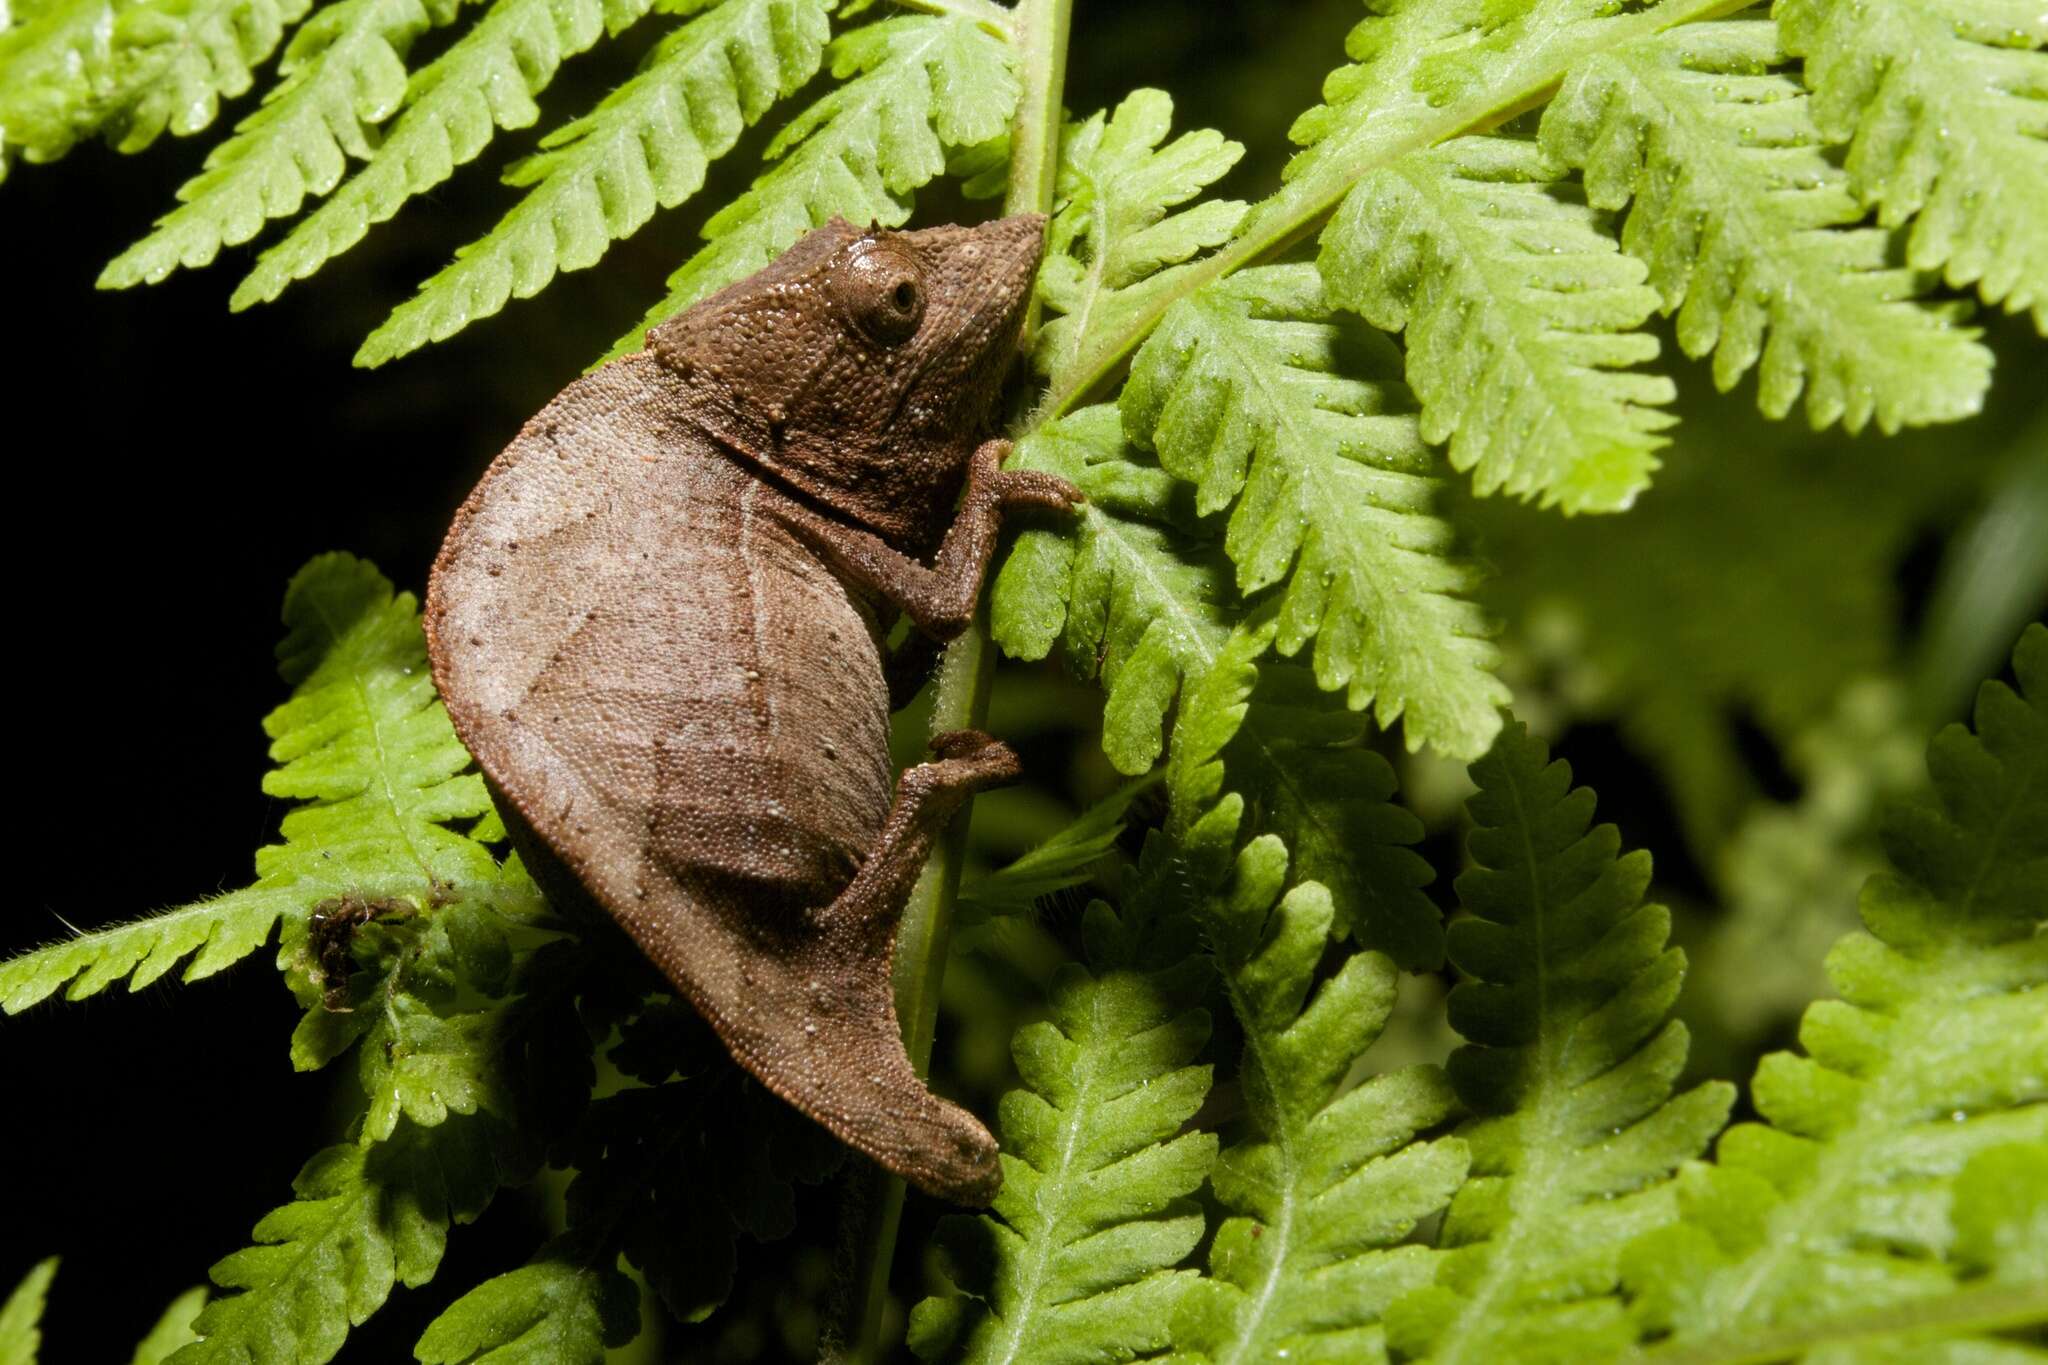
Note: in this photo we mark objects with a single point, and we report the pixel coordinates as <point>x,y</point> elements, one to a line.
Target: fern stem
<point>1304,203</point>
<point>1039,28</point>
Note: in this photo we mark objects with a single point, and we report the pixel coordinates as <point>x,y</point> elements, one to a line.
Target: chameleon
<point>659,623</point>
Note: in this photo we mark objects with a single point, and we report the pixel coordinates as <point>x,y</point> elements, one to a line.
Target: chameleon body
<point>659,622</point>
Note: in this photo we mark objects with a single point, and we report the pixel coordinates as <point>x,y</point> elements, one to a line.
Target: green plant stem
<point>1040,29</point>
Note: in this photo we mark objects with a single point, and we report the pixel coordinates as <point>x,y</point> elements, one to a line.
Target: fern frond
<point>1075,1260</point>
<point>364,1219</point>
<point>1304,767</point>
<point>1570,1066</point>
<point>1945,110</point>
<point>342,75</point>
<point>914,88</point>
<point>1747,228</point>
<point>367,749</point>
<point>1127,599</point>
<point>1521,316</point>
<point>1251,391</point>
<point>1115,245</point>
<point>599,178</point>
<point>563,1309</point>
<point>1843,1200</point>
<point>453,106</point>
<point>129,71</point>
<point>21,1335</point>
<point>1330,1180</point>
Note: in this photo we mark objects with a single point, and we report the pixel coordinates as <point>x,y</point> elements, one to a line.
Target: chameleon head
<point>863,365</point>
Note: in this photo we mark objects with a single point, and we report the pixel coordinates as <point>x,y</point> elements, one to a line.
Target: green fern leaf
<point>129,70</point>
<point>172,1330</point>
<point>1521,319</point>
<point>342,75</point>
<point>48,58</point>
<point>1145,606</point>
<point>1126,598</point>
<point>366,748</point>
<point>1249,390</point>
<point>174,61</point>
<point>1303,765</point>
<point>599,178</point>
<point>1747,229</point>
<point>1330,1180</point>
<point>1840,1202</point>
<point>1075,1261</point>
<point>21,1336</point>
<point>453,107</point>
<point>1945,110</point>
<point>364,1219</point>
<point>1570,1067</point>
<point>1115,247</point>
<point>914,87</point>
<point>560,1310</point>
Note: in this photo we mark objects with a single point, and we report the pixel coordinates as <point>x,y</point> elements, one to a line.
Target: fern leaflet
<point>1570,1068</point>
<point>1846,1199</point>
<point>21,1335</point>
<point>453,106</point>
<point>599,178</point>
<point>1303,764</point>
<point>914,88</point>
<point>1115,245</point>
<point>364,744</point>
<point>1126,598</point>
<point>343,74</point>
<point>563,1309</point>
<point>364,1219</point>
<point>1075,1260</point>
<point>1747,229</point>
<point>1249,390</point>
<point>129,71</point>
<point>1945,109</point>
<point>1330,1180</point>
<point>172,1330</point>
<point>1521,319</point>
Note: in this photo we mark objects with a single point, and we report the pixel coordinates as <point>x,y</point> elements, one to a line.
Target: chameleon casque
<point>659,624</point>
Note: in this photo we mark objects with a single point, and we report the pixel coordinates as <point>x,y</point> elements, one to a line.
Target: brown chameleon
<point>659,621</point>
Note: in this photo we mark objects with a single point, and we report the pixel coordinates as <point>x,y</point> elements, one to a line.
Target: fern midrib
<point>1543,1133</point>
<point>1301,205</point>
<point>1039,1264</point>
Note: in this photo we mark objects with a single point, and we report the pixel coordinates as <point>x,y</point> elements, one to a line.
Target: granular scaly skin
<point>658,624</point>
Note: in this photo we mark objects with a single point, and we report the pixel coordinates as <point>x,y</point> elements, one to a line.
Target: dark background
<point>175,464</point>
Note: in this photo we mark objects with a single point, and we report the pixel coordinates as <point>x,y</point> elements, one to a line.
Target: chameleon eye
<point>882,290</point>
